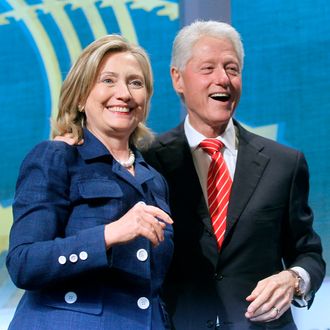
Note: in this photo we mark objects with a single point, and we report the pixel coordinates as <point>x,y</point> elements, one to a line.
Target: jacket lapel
<point>250,166</point>
<point>176,158</point>
<point>251,163</point>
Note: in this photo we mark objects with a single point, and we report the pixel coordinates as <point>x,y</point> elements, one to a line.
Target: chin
<point>225,115</point>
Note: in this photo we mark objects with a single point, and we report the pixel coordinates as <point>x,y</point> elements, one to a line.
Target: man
<point>269,253</point>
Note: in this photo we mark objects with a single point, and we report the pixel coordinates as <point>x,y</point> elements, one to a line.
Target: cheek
<point>90,101</point>
<point>237,85</point>
<point>142,112</point>
<point>141,100</point>
<point>99,94</point>
<point>197,84</point>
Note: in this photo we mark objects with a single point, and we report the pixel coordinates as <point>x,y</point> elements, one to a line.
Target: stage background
<point>285,86</point>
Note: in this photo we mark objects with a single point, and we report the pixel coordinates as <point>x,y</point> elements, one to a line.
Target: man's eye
<point>207,68</point>
<point>233,70</point>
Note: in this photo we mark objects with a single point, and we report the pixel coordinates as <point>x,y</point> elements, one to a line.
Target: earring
<point>81,108</point>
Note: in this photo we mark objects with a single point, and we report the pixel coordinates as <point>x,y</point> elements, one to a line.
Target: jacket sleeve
<point>39,253</point>
<point>303,245</point>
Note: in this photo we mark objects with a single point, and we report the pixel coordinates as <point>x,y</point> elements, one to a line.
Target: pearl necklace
<point>129,162</point>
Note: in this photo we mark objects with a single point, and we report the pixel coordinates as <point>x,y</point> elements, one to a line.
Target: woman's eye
<point>136,83</point>
<point>107,80</point>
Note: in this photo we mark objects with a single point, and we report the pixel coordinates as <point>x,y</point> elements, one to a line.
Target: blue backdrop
<point>285,80</point>
<point>286,83</point>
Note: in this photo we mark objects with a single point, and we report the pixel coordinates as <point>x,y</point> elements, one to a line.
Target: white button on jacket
<point>83,255</point>
<point>61,260</point>
<point>70,297</point>
<point>143,303</point>
<point>73,258</point>
<point>142,255</point>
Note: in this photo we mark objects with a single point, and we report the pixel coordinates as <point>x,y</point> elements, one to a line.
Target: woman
<point>92,239</point>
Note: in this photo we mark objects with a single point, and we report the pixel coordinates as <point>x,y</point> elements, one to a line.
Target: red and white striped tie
<point>219,185</point>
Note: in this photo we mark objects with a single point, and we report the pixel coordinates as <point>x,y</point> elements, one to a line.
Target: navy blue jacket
<point>65,195</point>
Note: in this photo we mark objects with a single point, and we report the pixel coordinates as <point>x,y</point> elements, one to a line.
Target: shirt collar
<point>195,138</point>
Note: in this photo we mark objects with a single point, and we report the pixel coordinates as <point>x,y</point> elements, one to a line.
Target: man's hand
<point>271,297</point>
<point>69,139</point>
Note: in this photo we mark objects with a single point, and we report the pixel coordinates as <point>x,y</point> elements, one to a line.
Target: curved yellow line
<point>95,20</point>
<point>45,48</point>
<point>67,29</point>
<point>121,12</point>
<point>6,221</point>
<point>124,20</point>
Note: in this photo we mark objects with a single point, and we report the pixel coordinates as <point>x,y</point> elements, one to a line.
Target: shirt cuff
<point>307,295</point>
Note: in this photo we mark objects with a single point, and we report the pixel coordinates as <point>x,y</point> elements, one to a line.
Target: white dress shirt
<point>202,162</point>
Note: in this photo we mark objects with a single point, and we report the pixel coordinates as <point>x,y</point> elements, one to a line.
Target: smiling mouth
<point>119,109</point>
<point>223,97</point>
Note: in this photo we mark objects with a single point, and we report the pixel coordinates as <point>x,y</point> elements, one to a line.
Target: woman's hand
<point>141,220</point>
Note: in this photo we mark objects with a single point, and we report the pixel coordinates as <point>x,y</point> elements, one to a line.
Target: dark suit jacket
<point>269,223</point>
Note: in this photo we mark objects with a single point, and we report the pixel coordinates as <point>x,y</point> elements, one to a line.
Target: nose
<point>221,77</point>
<point>122,91</point>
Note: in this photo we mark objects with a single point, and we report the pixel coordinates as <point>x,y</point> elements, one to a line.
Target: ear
<point>177,81</point>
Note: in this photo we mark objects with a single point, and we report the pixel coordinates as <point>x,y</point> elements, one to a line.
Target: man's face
<point>210,84</point>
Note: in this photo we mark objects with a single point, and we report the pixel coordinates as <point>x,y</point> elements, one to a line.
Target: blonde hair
<point>80,81</point>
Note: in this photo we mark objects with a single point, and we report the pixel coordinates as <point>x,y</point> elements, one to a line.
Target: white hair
<point>190,34</point>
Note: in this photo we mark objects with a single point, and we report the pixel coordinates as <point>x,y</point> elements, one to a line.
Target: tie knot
<point>211,146</point>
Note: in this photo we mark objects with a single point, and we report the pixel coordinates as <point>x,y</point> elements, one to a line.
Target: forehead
<point>210,47</point>
<point>120,61</point>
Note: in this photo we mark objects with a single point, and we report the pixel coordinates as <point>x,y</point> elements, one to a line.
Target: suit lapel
<point>250,166</point>
<point>176,158</point>
<point>251,163</point>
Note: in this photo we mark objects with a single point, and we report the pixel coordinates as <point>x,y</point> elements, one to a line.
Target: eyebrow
<point>114,74</point>
<point>108,73</point>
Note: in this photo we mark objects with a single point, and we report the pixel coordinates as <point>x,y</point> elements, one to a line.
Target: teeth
<point>119,109</point>
<point>220,96</point>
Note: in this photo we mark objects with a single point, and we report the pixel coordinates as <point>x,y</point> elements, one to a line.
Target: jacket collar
<point>93,148</point>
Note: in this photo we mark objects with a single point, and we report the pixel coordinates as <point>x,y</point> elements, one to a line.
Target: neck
<point>208,130</point>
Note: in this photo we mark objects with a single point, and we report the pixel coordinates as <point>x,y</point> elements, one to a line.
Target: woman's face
<point>118,99</point>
